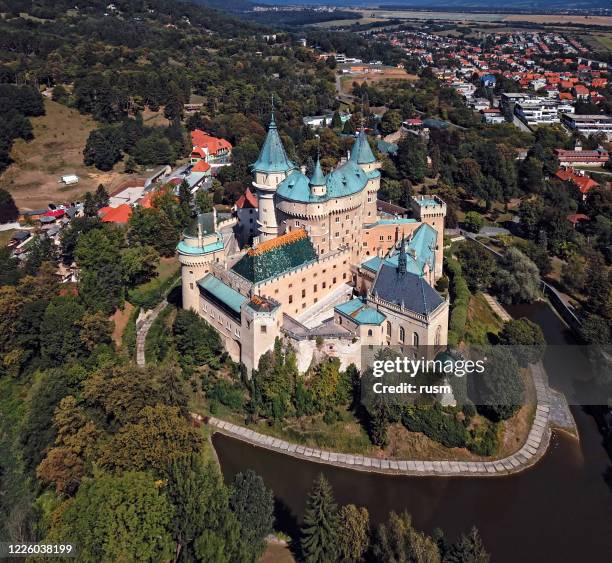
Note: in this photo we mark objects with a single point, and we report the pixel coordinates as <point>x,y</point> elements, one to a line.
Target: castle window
<point>438,336</point>
<point>291,299</point>
<point>337,219</point>
<point>402,334</point>
<point>315,287</point>
<point>415,339</point>
<point>388,329</point>
<point>334,280</point>
<point>303,293</point>
<point>190,286</point>
<point>264,328</point>
<point>370,332</point>
<point>344,276</point>
<point>323,285</point>
<point>382,237</point>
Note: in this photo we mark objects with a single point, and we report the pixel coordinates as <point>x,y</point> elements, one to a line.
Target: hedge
<point>152,293</point>
<point>460,301</point>
<point>128,338</point>
<point>438,425</point>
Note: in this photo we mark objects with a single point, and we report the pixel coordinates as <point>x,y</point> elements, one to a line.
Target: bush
<point>436,424</point>
<point>484,442</point>
<point>460,299</point>
<point>128,338</point>
<point>473,221</point>
<point>226,393</point>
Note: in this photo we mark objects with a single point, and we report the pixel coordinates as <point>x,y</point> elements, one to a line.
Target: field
<point>389,73</point>
<point>378,15</point>
<point>57,149</point>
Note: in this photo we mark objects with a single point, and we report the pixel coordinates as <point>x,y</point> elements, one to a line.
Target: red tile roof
<point>575,218</point>
<point>247,200</point>
<point>584,183</point>
<point>201,166</point>
<point>119,214</point>
<point>213,144</point>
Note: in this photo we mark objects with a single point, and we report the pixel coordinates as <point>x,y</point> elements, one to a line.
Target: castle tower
<point>362,155</point>
<point>261,319</point>
<point>269,170</point>
<point>432,210</point>
<point>317,181</point>
<point>200,247</point>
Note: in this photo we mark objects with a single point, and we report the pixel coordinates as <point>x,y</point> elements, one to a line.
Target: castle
<point>326,270</point>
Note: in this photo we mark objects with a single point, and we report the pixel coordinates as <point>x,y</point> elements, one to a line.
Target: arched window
<point>402,335</point>
<point>438,336</point>
<point>370,332</point>
<point>388,329</point>
<point>415,339</point>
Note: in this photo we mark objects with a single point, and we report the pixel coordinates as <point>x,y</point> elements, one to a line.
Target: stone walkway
<point>497,308</point>
<point>142,329</point>
<point>533,449</point>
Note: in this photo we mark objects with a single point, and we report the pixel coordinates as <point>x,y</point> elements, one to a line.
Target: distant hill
<point>494,5</point>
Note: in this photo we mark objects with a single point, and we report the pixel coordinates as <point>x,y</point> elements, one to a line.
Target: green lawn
<point>149,294</point>
<point>482,321</point>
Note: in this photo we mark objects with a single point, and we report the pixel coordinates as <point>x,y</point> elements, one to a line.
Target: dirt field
<point>558,18</point>
<point>57,149</point>
<point>373,77</point>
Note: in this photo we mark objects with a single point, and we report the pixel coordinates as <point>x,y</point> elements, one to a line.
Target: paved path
<point>497,308</point>
<point>533,449</point>
<point>142,329</point>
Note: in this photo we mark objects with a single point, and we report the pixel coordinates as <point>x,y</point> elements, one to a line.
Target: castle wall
<point>194,268</point>
<point>299,289</point>
<point>228,328</point>
<point>378,239</point>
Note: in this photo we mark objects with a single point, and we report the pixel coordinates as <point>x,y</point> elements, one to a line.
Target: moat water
<point>560,509</point>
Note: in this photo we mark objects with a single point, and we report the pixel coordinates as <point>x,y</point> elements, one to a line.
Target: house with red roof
<point>209,149</point>
<point>581,92</point>
<point>119,215</point>
<point>583,182</point>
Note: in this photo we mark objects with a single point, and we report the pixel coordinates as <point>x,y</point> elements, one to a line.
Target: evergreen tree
<point>379,422</point>
<point>101,196</point>
<point>8,209</point>
<point>253,505</point>
<point>336,122</point>
<point>320,527</point>
<point>90,206</point>
<point>469,549</point>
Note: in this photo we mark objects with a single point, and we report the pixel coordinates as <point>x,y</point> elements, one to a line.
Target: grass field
<point>57,149</point>
<point>373,77</point>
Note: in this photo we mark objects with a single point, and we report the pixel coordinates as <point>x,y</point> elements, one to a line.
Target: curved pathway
<point>533,449</point>
<point>142,329</point>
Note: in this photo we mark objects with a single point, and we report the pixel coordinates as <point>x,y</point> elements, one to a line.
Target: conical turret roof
<point>361,152</point>
<point>317,178</point>
<point>273,157</point>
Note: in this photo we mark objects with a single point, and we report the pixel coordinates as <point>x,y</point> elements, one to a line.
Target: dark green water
<point>560,510</point>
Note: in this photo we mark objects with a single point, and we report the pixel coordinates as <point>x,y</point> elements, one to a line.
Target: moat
<point>559,509</point>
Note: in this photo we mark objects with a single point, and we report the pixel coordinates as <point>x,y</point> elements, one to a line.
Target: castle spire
<point>272,157</point>
<point>402,265</point>
<point>317,178</point>
<point>361,153</point>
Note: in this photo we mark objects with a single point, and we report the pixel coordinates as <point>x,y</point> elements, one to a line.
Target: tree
<point>595,330</point>
<point>8,209</point>
<point>101,196</point>
<point>518,278</point>
<point>196,341</point>
<point>59,334</point>
<point>90,207</point>
<point>98,255</point>
<point>468,549</point>
<point>498,392</point>
<point>138,264</point>
<point>379,422</point>
<point>353,533</point>
<point>103,148</point>
<point>95,330</point>
<point>118,518</point>
<point>478,265</point>
<point>203,525</point>
<point>526,338</point>
<point>411,159</point>
<point>336,122</point>
<point>319,530</point>
<point>599,282</point>
<point>390,122</point>
<point>397,540</point>
<point>160,435</point>
<point>253,505</point>
<point>473,221</point>
<point>9,267</point>
<point>150,226</point>
<point>40,251</point>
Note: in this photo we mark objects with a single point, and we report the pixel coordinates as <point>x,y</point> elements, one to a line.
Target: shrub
<point>436,424</point>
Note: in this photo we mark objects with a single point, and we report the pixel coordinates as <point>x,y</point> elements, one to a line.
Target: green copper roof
<point>273,157</point>
<point>222,293</point>
<point>318,178</point>
<point>358,311</point>
<point>420,250</point>
<point>346,180</point>
<point>276,261</point>
<point>361,152</point>
<point>184,248</point>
